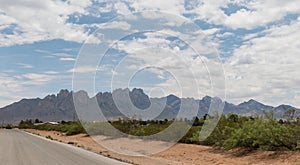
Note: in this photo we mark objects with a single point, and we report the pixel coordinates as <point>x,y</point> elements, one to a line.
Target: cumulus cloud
<point>267,66</point>
<point>11,83</point>
<point>263,66</point>
<point>14,88</point>
<point>39,21</point>
<point>249,14</point>
<point>114,25</point>
<point>260,13</point>
<point>191,72</point>
<point>170,6</point>
<point>34,21</point>
<point>6,21</point>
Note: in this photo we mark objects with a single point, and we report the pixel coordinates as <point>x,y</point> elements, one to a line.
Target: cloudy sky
<point>240,49</point>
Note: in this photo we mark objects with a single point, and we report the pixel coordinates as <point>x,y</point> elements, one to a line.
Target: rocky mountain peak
<point>63,93</point>
<point>139,98</point>
<point>206,99</point>
<point>50,97</point>
<point>61,106</point>
<point>171,98</point>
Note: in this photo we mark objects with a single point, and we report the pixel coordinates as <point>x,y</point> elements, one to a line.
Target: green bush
<point>232,131</point>
<point>264,133</point>
<point>192,136</point>
<point>74,129</point>
<point>26,124</point>
<point>70,128</point>
<point>8,126</point>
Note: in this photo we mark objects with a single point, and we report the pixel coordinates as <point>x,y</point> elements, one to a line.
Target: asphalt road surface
<point>20,148</point>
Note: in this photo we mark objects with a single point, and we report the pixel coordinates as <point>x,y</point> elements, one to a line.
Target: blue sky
<point>238,50</point>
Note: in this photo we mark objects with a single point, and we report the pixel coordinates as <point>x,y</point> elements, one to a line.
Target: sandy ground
<point>181,154</point>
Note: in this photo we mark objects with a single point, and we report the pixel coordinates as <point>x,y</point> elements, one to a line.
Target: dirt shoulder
<point>183,154</point>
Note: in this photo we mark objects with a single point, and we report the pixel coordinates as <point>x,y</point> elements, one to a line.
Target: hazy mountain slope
<point>60,107</point>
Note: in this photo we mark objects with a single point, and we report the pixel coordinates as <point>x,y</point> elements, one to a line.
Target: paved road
<point>20,148</point>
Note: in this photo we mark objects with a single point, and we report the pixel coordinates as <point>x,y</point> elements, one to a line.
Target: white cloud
<point>42,51</point>
<point>36,21</point>
<point>170,6</point>
<point>211,31</point>
<point>261,13</point>
<point>9,87</point>
<point>224,35</point>
<point>62,55</point>
<point>209,11</point>
<point>5,21</point>
<point>67,59</point>
<point>122,8</point>
<point>156,51</point>
<point>114,25</point>
<point>252,14</point>
<point>36,78</point>
<point>264,67</point>
<point>267,66</point>
<point>258,13</point>
<point>51,72</point>
<point>85,69</point>
<point>25,66</point>
<point>14,88</point>
<point>8,82</point>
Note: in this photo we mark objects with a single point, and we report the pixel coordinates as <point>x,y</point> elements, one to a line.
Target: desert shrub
<point>70,128</point>
<point>8,126</point>
<point>224,129</point>
<point>192,136</point>
<point>25,124</point>
<point>73,129</point>
<point>265,133</point>
<point>231,131</point>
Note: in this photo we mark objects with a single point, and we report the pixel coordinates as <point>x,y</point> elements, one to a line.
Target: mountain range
<point>61,106</point>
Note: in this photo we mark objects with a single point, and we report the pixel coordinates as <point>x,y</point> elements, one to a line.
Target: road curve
<point>20,148</point>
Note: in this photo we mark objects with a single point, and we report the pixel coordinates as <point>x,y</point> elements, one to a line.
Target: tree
<point>38,121</point>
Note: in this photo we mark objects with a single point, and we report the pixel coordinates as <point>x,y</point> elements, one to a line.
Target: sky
<point>234,49</point>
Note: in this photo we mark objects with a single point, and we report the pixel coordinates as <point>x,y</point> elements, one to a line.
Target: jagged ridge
<point>61,107</point>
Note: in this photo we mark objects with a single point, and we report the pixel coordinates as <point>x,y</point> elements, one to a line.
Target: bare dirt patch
<point>183,154</point>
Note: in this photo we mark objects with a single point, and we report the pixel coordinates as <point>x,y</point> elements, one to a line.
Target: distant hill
<point>60,106</point>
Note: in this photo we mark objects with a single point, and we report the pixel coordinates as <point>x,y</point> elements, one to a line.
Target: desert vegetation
<point>69,128</point>
<point>232,131</point>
